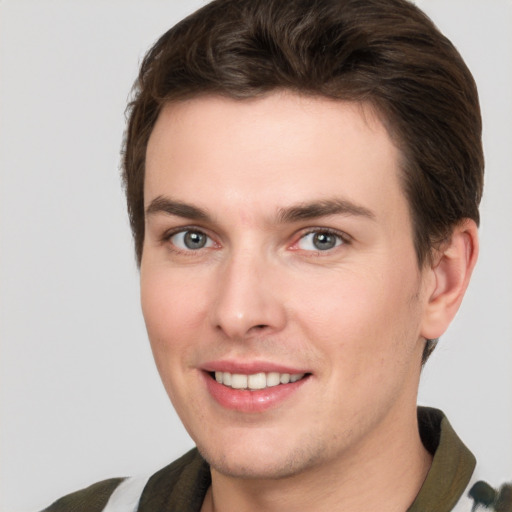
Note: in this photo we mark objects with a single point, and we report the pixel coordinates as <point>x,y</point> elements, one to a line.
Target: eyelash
<point>344,239</point>
<point>167,236</point>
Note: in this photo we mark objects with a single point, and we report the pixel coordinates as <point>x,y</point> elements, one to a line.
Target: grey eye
<point>319,241</point>
<point>194,240</point>
<point>191,240</point>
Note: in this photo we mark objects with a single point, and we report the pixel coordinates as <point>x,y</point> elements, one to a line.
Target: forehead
<point>281,149</point>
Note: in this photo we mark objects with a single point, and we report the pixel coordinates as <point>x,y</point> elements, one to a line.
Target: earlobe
<point>450,273</point>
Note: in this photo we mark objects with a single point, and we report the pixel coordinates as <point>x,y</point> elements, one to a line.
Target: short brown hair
<point>384,52</point>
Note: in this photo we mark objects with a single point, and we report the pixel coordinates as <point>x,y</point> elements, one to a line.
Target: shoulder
<point>455,482</point>
<point>91,499</point>
<point>187,475</point>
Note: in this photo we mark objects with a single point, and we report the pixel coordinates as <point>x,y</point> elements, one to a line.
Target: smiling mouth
<point>256,381</point>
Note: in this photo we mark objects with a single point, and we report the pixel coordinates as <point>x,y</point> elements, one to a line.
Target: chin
<point>262,462</point>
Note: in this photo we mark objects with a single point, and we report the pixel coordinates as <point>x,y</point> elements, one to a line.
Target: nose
<point>248,298</point>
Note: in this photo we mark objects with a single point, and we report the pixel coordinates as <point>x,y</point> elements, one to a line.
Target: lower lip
<point>244,400</point>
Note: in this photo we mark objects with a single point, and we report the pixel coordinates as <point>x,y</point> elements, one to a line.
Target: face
<point>279,282</point>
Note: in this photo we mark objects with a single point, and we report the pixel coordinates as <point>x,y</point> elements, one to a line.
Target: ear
<point>449,276</point>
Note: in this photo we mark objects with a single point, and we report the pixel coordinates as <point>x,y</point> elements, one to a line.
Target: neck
<point>383,473</point>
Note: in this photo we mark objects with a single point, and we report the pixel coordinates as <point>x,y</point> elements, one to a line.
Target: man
<point>303,181</point>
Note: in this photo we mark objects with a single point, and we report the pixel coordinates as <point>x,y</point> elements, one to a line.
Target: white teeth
<point>226,378</point>
<point>238,381</point>
<point>256,381</point>
<point>272,379</point>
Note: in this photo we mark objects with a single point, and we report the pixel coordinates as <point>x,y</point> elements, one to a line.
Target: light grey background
<point>80,398</point>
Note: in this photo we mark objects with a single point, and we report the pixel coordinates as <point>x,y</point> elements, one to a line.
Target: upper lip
<point>249,367</point>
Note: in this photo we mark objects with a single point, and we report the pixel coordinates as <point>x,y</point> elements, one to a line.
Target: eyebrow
<point>323,208</point>
<point>165,205</point>
<point>296,213</point>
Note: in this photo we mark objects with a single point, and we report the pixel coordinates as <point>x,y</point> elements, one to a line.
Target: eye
<point>320,241</point>
<point>191,240</point>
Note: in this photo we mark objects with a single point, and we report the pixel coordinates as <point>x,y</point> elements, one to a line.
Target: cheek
<point>172,311</point>
<point>171,307</point>
<point>360,316</point>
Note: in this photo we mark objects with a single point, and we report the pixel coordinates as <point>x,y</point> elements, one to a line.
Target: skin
<point>354,316</point>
